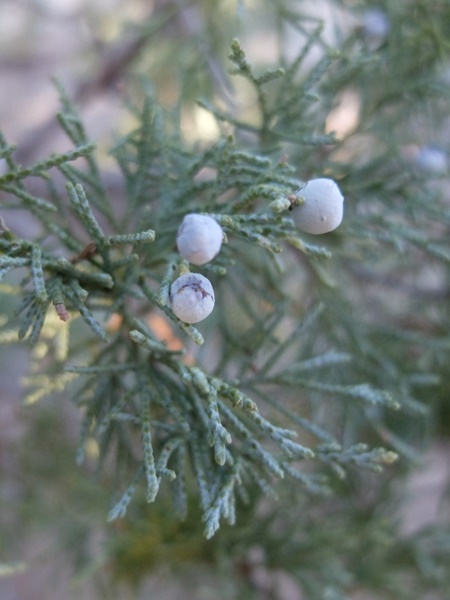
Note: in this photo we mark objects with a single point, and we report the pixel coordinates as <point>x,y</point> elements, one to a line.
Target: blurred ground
<point>41,39</point>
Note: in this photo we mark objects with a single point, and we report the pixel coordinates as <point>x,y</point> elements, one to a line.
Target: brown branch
<point>114,63</point>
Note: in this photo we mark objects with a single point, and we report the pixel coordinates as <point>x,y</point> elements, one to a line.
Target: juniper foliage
<point>318,364</point>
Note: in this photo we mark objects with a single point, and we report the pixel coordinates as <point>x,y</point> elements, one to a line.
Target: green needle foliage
<point>324,356</point>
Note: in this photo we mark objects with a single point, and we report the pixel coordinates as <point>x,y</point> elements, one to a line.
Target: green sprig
<point>41,168</point>
<point>81,205</point>
<point>38,275</point>
<point>149,462</point>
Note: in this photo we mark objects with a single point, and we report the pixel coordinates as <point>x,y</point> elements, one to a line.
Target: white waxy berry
<point>432,160</point>
<point>322,208</point>
<point>376,24</point>
<point>192,297</point>
<point>199,238</point>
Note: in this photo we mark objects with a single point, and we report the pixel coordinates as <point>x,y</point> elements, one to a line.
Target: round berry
<point>199,238</point>
<point>192,297</point>
<point>432,160</point>
<point>322,208</point>
<point>375,24</point>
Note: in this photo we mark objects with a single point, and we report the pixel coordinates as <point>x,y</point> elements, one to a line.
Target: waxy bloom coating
<point>199,238</point>
<point>322,209</point>
<point>192,297</point>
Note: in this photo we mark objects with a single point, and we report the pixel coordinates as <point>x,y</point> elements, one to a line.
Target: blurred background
<point>53,541</point>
